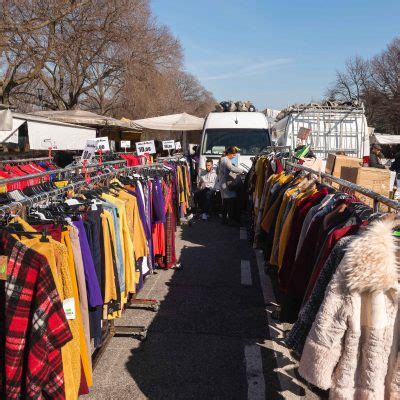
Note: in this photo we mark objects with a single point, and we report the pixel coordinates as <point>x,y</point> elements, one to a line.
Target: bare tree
<point>350,84</point>
<point>376,83</point>
<point>111,57</point>
<point>27,31</point>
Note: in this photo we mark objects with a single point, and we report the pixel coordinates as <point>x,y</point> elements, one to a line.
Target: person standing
<point>206,185</point>
<point>230,211</point>
<point>395,166</point>
<point>376,154</point>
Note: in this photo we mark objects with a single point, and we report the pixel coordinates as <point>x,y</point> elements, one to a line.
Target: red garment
<point>158,235</point>
<point>316,236</point>
<point>35,326</point>
<point>300,213</point>
<point>329,244</point>
<point>279,166</point>
<point>51,229</point>
<point>132,160</point>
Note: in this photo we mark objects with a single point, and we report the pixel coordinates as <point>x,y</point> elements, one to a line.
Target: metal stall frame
<point>376,197</point>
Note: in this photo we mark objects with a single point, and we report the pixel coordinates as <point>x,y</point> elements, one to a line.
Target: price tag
<point>178,146</point>
<point>125,143</point>
<point>103,143</point>
<point>168,144</point>
<point>3,268</point>
<point>69,308</point>
<point>90,150</point>
<point>147,147</point>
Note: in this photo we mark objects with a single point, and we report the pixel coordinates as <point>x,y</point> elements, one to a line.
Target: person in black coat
<point>396,164</point>
<point>376,154</point>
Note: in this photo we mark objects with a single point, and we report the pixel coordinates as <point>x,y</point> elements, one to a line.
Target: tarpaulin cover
<point>174,122</point>
<point>385,139</point>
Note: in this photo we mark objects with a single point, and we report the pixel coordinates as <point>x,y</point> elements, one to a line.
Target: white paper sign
<point>69,308</point>
<point>103,144</point>
<point>178,146</point>
<point>168,144</point>
<point>125,143</point>
<point>89,150</point>
<point>147,147</point>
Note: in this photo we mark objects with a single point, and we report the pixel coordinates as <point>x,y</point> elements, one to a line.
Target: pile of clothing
<point>230,106</point>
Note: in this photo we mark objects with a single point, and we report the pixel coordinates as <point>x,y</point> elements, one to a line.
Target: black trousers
<point>204,198</point>
<point>230,209</point>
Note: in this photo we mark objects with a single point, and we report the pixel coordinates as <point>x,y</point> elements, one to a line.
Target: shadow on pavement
<point>195,344</point>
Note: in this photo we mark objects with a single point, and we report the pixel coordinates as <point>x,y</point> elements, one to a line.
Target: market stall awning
<point>174,122</point>
<point>44,133</point>
<point>385,139</point>
<point>88,118</point>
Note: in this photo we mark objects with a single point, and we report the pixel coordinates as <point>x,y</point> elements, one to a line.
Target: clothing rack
<point>29,201</point>
<point>26,160</point>
<point>376,197</point>
<point>278,148</point>
<point>110,329</point>
<point>56,171</point>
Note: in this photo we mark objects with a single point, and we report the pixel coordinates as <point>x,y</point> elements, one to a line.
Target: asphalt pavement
<point>212,338</point>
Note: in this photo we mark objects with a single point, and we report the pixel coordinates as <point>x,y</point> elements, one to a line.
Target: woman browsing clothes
<point>229,184</point>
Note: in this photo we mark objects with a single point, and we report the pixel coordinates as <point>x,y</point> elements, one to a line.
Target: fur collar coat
<point>352,348</point>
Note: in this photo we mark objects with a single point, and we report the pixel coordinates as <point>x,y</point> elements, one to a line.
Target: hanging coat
<point>352,339</point>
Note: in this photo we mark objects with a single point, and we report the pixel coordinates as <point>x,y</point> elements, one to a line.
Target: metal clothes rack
<point>60,171</point>
<point>110,330</point>
<point>376,197</point>
<point>288,148</point>
<point>26,160</point>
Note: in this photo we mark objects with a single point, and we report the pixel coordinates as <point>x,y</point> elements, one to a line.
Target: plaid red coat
<point>35,326</point>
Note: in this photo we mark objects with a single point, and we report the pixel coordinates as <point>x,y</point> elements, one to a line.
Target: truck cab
<point>247,130</point>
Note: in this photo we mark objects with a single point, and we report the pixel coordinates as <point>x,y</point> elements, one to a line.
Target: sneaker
<point>204,217</point>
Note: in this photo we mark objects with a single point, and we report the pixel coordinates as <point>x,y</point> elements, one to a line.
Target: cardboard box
<point>374,179</point>
<point>335,163</point>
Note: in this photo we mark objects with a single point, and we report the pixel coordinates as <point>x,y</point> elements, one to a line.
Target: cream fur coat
<point>352,348</point>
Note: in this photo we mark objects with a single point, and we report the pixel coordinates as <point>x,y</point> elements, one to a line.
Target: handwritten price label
<point>147,147</point>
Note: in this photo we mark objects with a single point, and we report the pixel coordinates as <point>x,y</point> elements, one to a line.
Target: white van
<point>247,130</point>
<point>333,129</point>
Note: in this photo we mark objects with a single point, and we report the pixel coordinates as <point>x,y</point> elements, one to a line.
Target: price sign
<point>90,150</point>
<point>147,147</point>
<point>125,143</point>
<point>103,144</point>
<point>178,146</point>
<point>168,144</point>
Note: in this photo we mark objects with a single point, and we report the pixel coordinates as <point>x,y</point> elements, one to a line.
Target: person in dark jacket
<point>376,154</point>
<point>396,164</point>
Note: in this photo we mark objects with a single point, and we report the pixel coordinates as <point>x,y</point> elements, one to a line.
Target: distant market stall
<point>181,127</point>
<point>385,139</point>
<point>31,132</point>
<point>114,129</point>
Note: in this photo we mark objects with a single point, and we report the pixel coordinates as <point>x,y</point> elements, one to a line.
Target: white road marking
<point>245,273</point>
<point>254,372</point>
<point>243,233</point>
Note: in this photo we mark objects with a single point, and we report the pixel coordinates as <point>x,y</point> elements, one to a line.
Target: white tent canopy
<point>174,122</point>
<point>44,133</point>
<point>85,118</point>
<point>385,139</point>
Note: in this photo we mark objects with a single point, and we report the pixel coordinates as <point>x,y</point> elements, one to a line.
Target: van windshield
<point>249,141</point>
